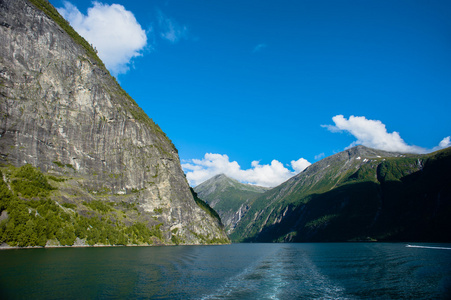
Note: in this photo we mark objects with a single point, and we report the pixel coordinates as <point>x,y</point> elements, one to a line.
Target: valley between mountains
<point>81,164</point>
<point>360,194</point>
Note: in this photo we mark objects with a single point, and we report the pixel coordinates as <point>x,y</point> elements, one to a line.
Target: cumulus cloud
<point>299,165</point>
<point>199,170</point>
<point>373,133</point>
<point>445,143</point>
<point>113,30</point>
<point>170,30</point>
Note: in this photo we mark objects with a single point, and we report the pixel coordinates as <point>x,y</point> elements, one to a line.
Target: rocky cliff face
<point>61,111</point>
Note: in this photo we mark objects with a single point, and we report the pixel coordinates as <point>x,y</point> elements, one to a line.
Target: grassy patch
<point>56,179</point>
<point>99,206</point>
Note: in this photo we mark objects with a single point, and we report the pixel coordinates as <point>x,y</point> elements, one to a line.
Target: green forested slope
<point>31,216</point>
<point>225,193</point>
<point>229,197</point>
<point>359,194</point>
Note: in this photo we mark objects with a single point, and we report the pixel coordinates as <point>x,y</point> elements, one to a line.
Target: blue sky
<point>260,89</point>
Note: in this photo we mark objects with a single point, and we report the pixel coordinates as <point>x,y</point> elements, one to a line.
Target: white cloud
<point>113,30</point>
<point>445,143</point>
<point>199,170</point>
<point>170,30</point>
<point>373,134</point>
<point>259,47</point>
<point>299,165</point>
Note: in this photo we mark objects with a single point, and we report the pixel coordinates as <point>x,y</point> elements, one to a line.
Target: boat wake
<point>428,247</point>
<point>280,275</point>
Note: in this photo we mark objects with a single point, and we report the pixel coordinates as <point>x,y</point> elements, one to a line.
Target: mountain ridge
<point>229,197</point>
<point>290,211</point>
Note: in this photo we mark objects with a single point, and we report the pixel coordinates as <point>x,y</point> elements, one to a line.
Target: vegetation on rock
<point>33,219</point>
<point>204,205</point>
<point>50,11</point>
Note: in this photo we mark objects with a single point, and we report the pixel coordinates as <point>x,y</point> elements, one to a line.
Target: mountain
<point>229,197</point>
<point>77,152</point>
<point>358,194</point>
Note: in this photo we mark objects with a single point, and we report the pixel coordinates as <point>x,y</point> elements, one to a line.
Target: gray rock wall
<point>60,110</point>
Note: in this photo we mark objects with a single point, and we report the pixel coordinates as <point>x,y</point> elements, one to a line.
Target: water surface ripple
<point>238,271</point>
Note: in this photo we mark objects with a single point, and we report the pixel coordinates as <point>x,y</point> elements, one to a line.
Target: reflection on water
<point>239,271</point>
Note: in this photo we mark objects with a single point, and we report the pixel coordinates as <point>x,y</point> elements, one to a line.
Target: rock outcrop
<point>61,111</point>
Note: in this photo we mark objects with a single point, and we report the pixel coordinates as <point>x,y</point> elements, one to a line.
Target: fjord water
<point>237,271</point>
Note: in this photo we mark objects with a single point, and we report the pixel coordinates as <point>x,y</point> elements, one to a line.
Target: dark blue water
<point>239,271</point>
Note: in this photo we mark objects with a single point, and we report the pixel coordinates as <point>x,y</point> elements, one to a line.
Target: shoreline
<point>7,247</point>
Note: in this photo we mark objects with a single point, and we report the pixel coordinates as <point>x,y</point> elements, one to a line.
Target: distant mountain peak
<point>221,177</point>
<point>229,197</point>
<point>223,181</point>
<point>218,180</point>
<point>342,162</point>
<point>367,152</point>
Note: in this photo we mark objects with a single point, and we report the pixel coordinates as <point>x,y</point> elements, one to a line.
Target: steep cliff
<point>62,112</point>
<point>358,194</point>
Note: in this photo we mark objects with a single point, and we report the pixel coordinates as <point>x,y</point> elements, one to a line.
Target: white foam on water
<point>428,247</point>
<point>319,285</point>
<point>264,276</point>
<point>275,277</point>
<point>230,287</point>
